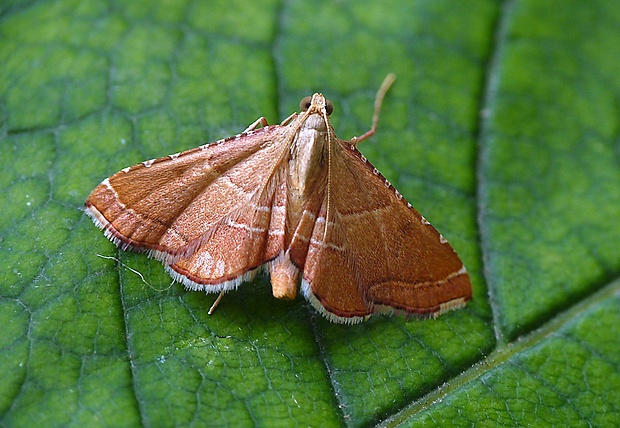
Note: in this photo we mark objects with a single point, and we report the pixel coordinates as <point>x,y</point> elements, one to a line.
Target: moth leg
<point>217,301</point>
<point>260,121</point>
<point>385,86</point>
<point>288,119</point>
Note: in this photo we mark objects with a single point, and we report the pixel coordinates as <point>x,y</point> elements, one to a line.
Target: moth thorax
<point>307,154</point>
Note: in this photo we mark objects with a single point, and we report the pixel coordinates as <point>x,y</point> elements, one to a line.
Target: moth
<point>294,199</point>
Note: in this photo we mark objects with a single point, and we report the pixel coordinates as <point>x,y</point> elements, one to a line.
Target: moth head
<point>316,102</point>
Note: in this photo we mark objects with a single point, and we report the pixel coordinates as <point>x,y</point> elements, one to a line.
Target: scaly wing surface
<point>378,254</point>
<point>174,206</point>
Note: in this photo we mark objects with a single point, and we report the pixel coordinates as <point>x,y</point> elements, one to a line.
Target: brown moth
<point>297,200</point>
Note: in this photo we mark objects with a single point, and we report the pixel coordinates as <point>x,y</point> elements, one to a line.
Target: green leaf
<point>502,128</point>
<point>559,375</point>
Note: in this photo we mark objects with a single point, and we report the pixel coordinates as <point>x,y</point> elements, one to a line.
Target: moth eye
<point>329,107</point>
<point>304,105</point>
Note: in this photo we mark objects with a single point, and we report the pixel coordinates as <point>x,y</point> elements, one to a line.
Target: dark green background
<point>503,129</point>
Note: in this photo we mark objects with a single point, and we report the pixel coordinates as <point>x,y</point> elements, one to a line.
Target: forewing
<point>242,241</point>
<point>168,205</point>
<point>331,281</point>
<point>380,255</point>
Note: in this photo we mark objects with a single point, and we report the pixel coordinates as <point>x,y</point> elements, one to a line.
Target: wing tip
<point>108,230</point>
<point>123,242</point>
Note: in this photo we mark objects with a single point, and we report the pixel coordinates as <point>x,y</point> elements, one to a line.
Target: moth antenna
<point>385,86</point>
<point>330,138</point>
